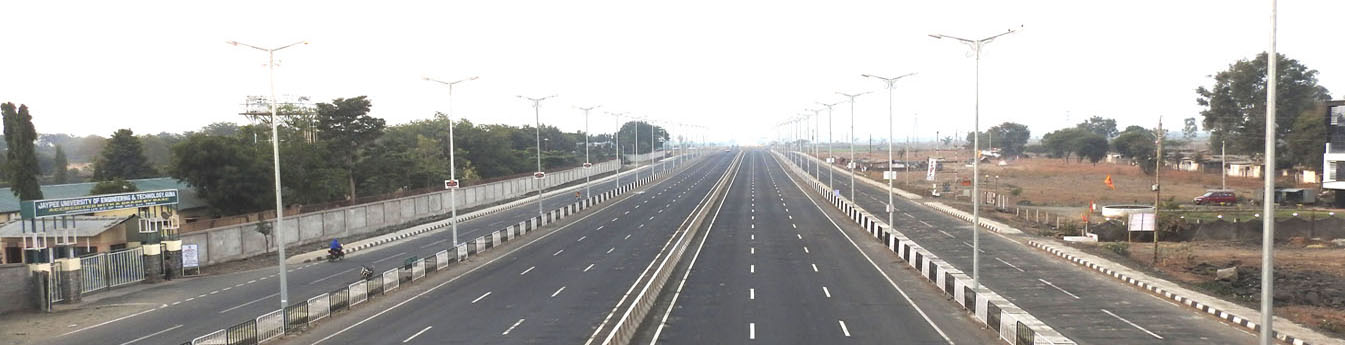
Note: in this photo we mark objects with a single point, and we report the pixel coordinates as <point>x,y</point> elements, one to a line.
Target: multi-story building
<point>1333,161</point>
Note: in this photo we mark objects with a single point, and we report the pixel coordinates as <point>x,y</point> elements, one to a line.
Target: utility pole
<point>452,169</point>
<point>831,149</point>
<point>588,165</point>
<point>1223,164</point>
<point>538,176</point>
<point>891,84</point>
<point>852,165</point>
<point>1158,190</point>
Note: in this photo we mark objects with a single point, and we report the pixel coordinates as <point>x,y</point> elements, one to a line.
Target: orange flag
<point>1108,182</point>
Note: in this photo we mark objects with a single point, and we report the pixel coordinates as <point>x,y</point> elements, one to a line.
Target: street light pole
<point>891,84</point>
<point>452,167</point>
<point>976,46</point>
<point>537,118</point>
<point>587,164</point>
<point>617,147</point>
<point>1268,190</point>
<point>275,164</point>
<point>852,165</point>
<point>831,149</point>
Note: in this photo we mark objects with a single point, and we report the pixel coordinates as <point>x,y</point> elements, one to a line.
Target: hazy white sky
<point>738,67</point>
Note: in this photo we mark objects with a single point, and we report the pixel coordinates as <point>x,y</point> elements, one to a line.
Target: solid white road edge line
<point>153,334</point>
<point>1131,324</point>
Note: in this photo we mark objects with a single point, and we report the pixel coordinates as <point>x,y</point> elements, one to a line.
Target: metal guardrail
<point>93,272</point>
<point>270,326</point>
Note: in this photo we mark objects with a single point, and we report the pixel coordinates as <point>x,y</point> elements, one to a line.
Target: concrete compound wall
<point>240,241</point>
<point>16,288</point>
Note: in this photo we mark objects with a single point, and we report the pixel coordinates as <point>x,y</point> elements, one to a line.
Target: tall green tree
<point>1235,106</point>
<point>20,156</point>
<point>123,157</point>
<point>1011,138</point>
<point>225,171</point>
<point>1306,141</point>
<point>60,167</point>
<point>113,186</point>
<point>1189,128</point>
<point>345,126</point>
<point>1100,126</point>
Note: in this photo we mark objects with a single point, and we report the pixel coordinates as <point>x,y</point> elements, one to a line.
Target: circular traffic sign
<point>539,174</point>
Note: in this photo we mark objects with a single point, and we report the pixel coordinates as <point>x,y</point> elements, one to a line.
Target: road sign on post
<point>450,184</point>
<point>889,175</point>
<point>539,175</point>
<point>588,165</point>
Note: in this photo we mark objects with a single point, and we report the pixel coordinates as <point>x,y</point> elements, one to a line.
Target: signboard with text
<point>190,256</point>
<point>1142,222</point>
<point>96,203</point>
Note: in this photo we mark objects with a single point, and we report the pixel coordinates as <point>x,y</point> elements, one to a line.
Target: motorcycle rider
<point>335,249</point>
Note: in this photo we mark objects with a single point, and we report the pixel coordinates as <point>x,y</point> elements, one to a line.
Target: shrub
<point>1120,248</point>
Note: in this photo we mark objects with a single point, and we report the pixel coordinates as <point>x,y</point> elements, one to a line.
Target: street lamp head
<point>936,36</point>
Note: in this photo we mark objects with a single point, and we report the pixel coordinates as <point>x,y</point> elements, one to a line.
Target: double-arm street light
<point>275,162</point>
<point>976,46</point>
<point>852,165</point>
<point>452,167</point>
<point>891,84</point>
<point>588,166</point>
<point>831,148</point>
<point>539,175</point>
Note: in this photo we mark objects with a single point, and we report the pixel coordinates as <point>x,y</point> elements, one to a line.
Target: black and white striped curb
<point>1012,324</point>
<point>1238,320</point>
<point>1157,290</point>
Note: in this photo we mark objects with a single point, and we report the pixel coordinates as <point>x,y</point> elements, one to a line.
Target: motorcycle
<point>334,255</point>
<point>366,272</point>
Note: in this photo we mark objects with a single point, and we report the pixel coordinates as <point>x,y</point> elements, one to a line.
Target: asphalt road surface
<point>774,269</point>
<point>193,307</point>
<point>1084,306</point>
<point>555,290</point>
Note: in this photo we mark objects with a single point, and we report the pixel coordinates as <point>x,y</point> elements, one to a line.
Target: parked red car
<point>1217,197</point>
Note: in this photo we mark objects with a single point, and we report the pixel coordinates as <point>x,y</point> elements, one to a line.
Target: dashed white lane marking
<point>640,227</point>
<point>1132,324</point>
<point>511,328</point>
<point>796,226</point>
<point>413,336</point>
<point>1058,288</point>
<point>805,250</point>
<point>926,224</point>
<point>478,299</point>
<point>558,252</point>
<point>826,292</point>
<point>814,267</point>
<point>200,296</point>
<point>581,238</point>
<point>193,298</point>
<point>334,275</point>
<point>751,293</point>
<point>527,270</point>
<point>948,234</point>
<point>600,227</point>
<point>151,335</point>
<point>553,294</point>
<point>754,237</point>
<point>751,331</point>
<point>627,237</point>
<point>791,217</point>
<point>614,219</point>
<point>651,217</point>
<point>609,251</point>
<point>752,268</point>
<point>627,212</point>
<point>754,225</point>
<point>799,235</point>
<point>244,304</point>
<point>844,329</point>
<point>1010,265</point>
<point>909,215</point>
<point>590,266</point>
<point>435,243</point>
<point>754,250</point>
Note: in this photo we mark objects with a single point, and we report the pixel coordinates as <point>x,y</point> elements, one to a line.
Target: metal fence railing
<point>54,284</point>
<point>125,267</point>
<point>270,326</point>
<point>243,333</point>
<point>318,308</point>
<point>213,338</point>
<point>296,316</point>
<point>440,260</point>
<point>391,280</point>
<point>357,292</point>
<point>93,272</point>
<point>418,269</point>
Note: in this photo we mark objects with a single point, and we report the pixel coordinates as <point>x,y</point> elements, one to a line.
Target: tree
<point>1100,126</point>
<point>122,158</point>
<point>20,158</point>
<point>1235,106</point>
<point>1306,141</point>
<point>1136,145</point>
<point>60,173</point>
<point>1009,137</point>
<point>1091,146</point>
<point>113,186</point>
<point>224,171</point>
<point>1062,143</point>
<point>1189,128</point>
<point>345,126</point>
